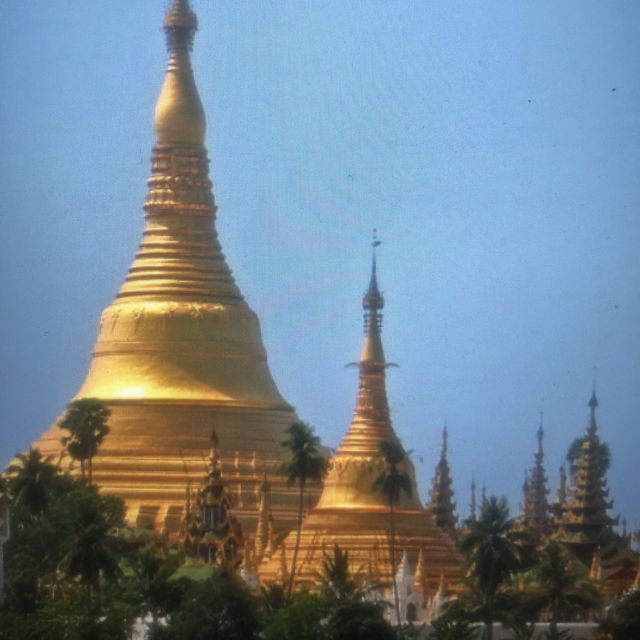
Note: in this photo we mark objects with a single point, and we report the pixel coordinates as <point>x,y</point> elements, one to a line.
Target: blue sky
<point>494,145</point>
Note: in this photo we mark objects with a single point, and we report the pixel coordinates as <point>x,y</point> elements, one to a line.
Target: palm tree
<point>492,557</point>
<point>565,591</point>
<point>92,548</point>
<point>391,483</point>
<point>86,422</point>
<point>306,464</point>
<point>30,478</point>
<point>339,584</point>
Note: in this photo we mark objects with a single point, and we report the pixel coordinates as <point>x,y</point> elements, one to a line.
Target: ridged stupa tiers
<point>179,350</point>
<point>584,524</point>
<point>350,512</point>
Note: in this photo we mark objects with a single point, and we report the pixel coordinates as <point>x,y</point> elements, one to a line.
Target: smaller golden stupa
<point>350,512</point>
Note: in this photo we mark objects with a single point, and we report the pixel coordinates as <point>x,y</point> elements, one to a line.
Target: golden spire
<point>179,116</point>
<point>371,422</point>
<point>352,512</point>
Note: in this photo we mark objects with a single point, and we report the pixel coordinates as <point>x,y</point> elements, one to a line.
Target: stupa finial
<point>179,117</point>
<point>593,405</point>
<point>373,303</point>
<point>445,440</point>
<point>540,434</point>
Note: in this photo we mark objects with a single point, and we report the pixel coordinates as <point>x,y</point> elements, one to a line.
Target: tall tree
<point>93,550</point>
<point>30,477</point>
<point>392,482</point>
<point>563,585</point>
<point>86,422</point>
<point>305,464</point>
<point>492,557</point>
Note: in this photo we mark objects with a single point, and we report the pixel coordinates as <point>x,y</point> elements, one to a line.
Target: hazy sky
<point>495,146</point>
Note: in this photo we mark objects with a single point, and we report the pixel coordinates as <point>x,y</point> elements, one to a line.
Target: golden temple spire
<point>371,422</point>
<point>373,303</point>
<point>179,116</point>
<point>352,511</point>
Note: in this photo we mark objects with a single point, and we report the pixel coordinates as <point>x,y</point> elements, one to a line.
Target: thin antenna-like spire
<point>473,506</point>
<point>540,434</point>
<point>593,405</point>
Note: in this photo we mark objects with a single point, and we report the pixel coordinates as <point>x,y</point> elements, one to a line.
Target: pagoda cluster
<point>578,517</point>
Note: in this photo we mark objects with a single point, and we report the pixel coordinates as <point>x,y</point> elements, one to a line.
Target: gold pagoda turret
<point>179,346</point>
<point>584,524</point>
<point>350,512</point>
<point>441,505</point>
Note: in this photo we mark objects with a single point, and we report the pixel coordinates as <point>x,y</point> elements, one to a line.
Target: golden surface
<point>179,348</point>
<point>350,513</point>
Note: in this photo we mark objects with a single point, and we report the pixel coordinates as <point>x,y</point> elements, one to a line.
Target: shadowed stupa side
<point>179,350</point>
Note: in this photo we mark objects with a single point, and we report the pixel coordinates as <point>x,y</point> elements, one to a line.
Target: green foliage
<point>353,620</point>
<point>338,582</point>
<point>153,584</point>
<point>30,477</point>
<point>86,422</point>
<point>623,618</point>
<point>393,480</point>
<point>492,558</point>
<point>306,461</point>
<point>219,608</point>
<point>92,548</point>
<point>564,589</point>
<point>301,619</point>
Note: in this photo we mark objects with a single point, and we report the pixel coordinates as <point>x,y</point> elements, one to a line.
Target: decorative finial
<point>593,404</point>
<point>445,438</point>
<point>179,117</point>
<point>540,432</point>
<point>180,23</point>
<point>593,401</point>
<point>373,300</point>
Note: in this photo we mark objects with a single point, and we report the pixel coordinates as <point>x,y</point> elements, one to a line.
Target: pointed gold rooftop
<point>179,348</point>
<point>350,513</point>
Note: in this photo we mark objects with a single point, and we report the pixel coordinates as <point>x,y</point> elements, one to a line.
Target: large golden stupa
<point>179,351</point>
<point>350,512</point>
